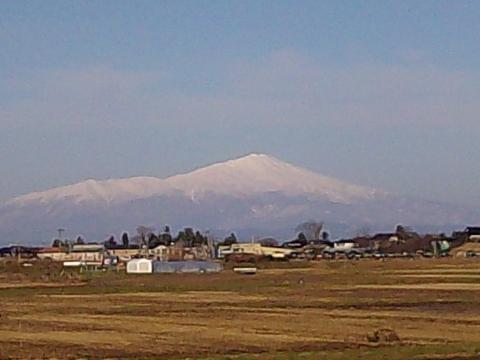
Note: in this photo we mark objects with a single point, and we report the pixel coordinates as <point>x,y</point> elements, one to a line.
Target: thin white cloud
<point>79,96</point>
<point>285,87</point>
<point>369,93</point>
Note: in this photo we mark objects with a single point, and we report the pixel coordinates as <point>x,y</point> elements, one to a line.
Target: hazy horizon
<point>382,94</point>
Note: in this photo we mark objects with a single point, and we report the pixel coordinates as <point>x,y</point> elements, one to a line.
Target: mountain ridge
<point>255,194</point>
<point>246,175</point>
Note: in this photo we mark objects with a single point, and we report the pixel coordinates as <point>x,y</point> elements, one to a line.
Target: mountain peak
<point>259,173</point>
<point>255,156</point>
<point>251,159</point>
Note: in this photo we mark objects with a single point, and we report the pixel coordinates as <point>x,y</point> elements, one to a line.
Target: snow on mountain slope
<point>259,173</point>
<point>249,175</point>
<point>254,195</point>
<point>96,191</point>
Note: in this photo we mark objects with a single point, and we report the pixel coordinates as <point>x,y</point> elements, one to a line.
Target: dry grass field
<point>324,311</point>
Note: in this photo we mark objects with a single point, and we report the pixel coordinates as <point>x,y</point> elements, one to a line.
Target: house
<point>473,233</point>
<point>224,250</point>
<point>159,252</point>
<point>6,252</point>
<point>52,253</point>
<point>344,244</point>
<point>92,254</point>
<point>18,251</point>
<point>401,242</point>
<point>254,249</point>
<point>348,248</point>
<point>88,253</point>
<point>125,253</point>
<point>377,239</point>
<point>468,249</point>
<point>199,252</point>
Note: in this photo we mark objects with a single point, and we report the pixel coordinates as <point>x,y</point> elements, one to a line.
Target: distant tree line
<point>146,236</point>
<point>60,243</point>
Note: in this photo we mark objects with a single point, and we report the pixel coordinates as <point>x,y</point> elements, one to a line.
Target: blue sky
<point>380,93</point>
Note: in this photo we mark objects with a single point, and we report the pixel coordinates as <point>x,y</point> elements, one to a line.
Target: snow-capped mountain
<point>259,173</point>
<point>254,195</point>
<point>252,174</point>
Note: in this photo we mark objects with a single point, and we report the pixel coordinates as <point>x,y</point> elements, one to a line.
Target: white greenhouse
<point>139,266</point>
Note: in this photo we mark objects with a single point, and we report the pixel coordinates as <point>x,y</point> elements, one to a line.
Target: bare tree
<point>80,240</point>
<point>363,231</point>
<point>125,240</point>
<point>144,232</point>
<point>311,229</point>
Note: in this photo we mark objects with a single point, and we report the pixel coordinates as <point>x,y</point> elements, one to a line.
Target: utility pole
<point>210,244</point>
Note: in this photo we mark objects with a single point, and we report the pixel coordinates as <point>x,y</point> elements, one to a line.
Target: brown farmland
<point>324,311</point>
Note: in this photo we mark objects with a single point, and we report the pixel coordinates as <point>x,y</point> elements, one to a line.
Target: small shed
<point>199,267</point>
<point>139,266</point>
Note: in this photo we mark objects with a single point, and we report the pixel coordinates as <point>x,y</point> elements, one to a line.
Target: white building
<point>255,249</point>
<point>344,244</point>
<point>139,266</point>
